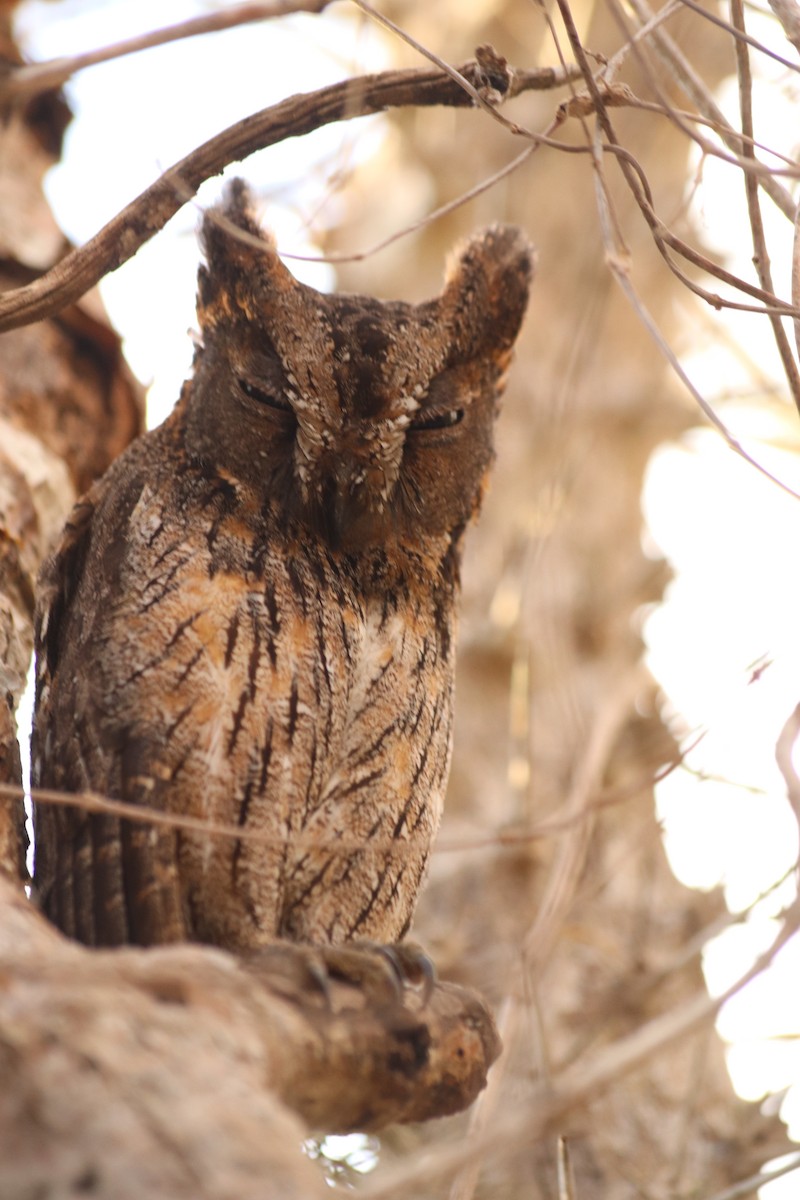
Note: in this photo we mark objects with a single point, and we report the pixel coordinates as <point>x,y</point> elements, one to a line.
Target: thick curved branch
<point>140,1068</point>
<point>298,115</point>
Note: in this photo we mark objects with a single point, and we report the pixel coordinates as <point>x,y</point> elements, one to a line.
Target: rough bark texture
<point>184,1072</point>
<point>68,406</point>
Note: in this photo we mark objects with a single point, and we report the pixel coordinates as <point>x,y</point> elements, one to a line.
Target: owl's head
<point>365,422</point>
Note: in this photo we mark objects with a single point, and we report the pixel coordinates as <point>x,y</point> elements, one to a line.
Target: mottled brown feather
<point>250,618</point>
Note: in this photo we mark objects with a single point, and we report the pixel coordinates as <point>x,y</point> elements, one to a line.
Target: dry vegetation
<point>551,893</point>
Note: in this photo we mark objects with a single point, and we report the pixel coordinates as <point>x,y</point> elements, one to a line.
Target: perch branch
<point>326,1032</point>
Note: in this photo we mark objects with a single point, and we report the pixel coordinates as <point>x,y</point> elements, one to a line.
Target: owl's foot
<point>411,965</point>
<point>386,975</point>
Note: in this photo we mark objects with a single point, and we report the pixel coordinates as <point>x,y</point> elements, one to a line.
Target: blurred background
<point>617,835</point>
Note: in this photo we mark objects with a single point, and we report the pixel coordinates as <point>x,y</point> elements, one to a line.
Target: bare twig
<point>618,264</point>
<point>738,34</point>
<point>783,756</point>
<point>761,252</point>
<point>747,1187</point>
<point>566,1179</point>
<point>144,814</point>
<point>454,73</point>
<point>485,184</point>
<point>622,277</point>
<point>562,883</point>
<point>796,275</point>
<point>149,212</point>
<point>691,83</point>
<point>636,180</point>
<point>687,122</point>
<point>26,81</point>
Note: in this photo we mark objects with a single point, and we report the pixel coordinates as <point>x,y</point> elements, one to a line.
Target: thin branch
<point>738,34</point>
<point>563,880</point>
<point>618,264</point>
<point>783,756</point>
<point>690,82</point>
<point>686,121</point>
<point>454,73</point>
<point>761,253</point>
<point>566,1178</point>
<point>144,814</point>
<point>622,277</point>
<point>796,275</point>
<point>298,115</point>
<point>23,82</point>
<point>746,1187</point>
<point>636,180</point>
<point>485,184</point>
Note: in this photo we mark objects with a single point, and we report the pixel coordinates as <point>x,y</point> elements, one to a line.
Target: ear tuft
<point>486,290</point>
<point>236,248</point>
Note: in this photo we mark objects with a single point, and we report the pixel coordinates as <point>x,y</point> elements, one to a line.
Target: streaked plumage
<point>250,618</point>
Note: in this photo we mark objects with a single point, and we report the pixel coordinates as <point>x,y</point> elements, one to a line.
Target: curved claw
<point>412,966</point>
<point>386,972</point>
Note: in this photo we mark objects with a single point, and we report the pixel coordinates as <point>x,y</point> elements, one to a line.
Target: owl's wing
<point>100,879</point>
<point>61,833</point>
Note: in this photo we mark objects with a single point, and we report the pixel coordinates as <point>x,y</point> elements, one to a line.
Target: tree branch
<point>760,250</point>
<point>157,1055</point>
<point>298,115</point>
<point>31,80</point>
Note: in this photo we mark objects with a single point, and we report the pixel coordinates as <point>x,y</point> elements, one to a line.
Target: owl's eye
<point>438,419</point>
<point>269,399</point>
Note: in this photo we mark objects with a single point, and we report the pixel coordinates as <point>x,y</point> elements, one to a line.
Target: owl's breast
<point>280,699</point>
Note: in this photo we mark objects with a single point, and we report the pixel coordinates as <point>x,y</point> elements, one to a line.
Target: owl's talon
<point>412,966</point>
<point>385,974</point>
<point>290,969</point>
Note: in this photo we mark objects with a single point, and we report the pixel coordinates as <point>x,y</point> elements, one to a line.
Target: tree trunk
<point>68,406</point>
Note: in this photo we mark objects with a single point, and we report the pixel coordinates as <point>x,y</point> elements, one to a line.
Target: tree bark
<point>183,1071</point>
<point>68,406</point>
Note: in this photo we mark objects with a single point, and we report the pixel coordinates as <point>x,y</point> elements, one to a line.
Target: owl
<point>249,620</point>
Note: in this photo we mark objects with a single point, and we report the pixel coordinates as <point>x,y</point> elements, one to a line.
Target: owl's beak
<point>352,507</point>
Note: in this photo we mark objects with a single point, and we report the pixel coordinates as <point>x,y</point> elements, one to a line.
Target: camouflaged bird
<point>250,619</point>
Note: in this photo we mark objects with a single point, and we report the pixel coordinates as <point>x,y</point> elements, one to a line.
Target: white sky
<point>731,536</point>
